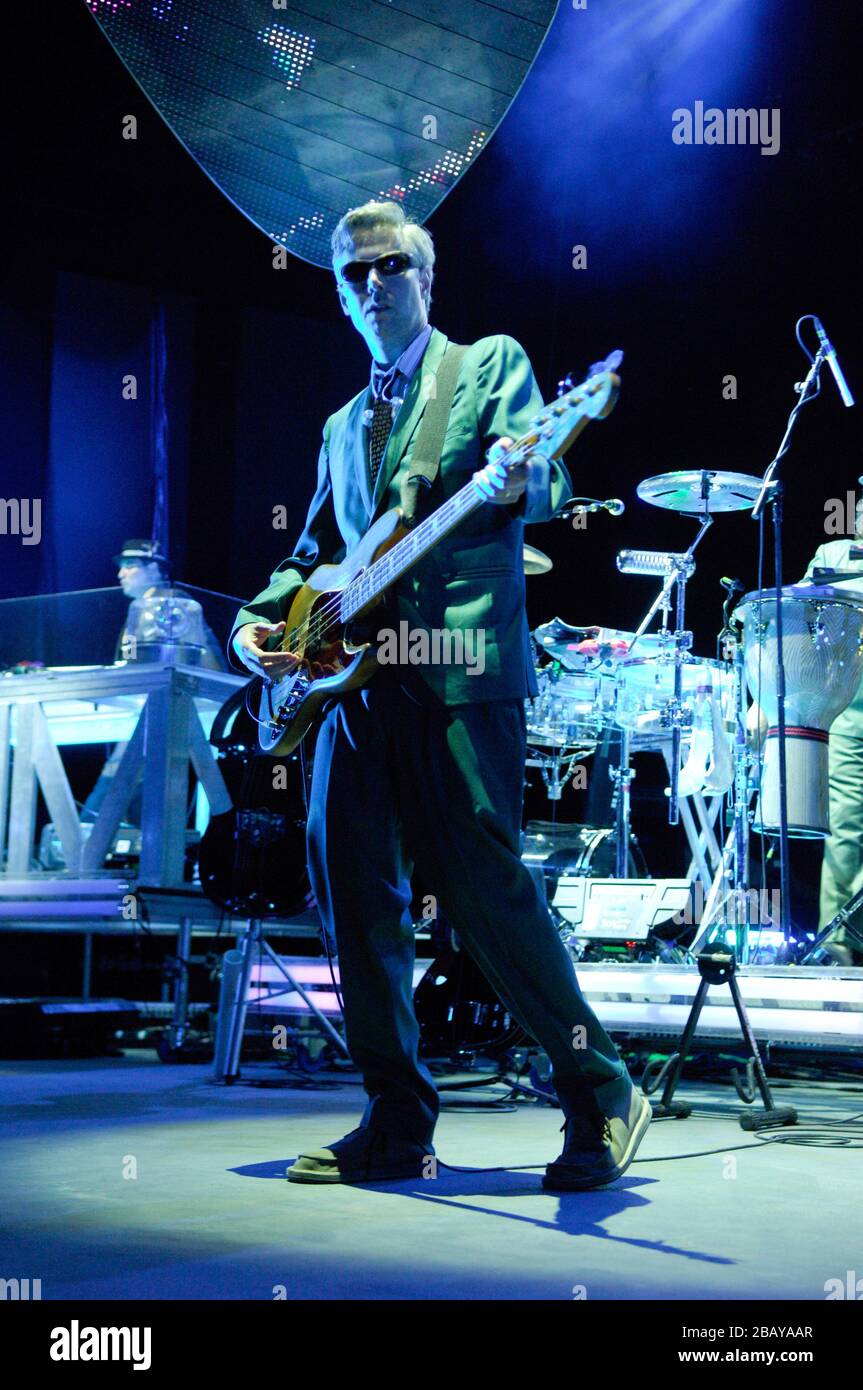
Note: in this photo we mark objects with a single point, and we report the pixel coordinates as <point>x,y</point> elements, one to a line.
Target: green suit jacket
<point>835,555</point>
<point>474,578</point>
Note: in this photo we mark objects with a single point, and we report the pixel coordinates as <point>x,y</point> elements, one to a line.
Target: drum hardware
<point>654,562</point>
<point>555,769</point>
<point>565,720</point>
<point>771,490</point>
<point>678,568</point>
<point>731,875</point>
<point>723,902</point>
<point>535,561</point>
<point>621,803</point>
<point>723,873</point>
<point>703,494</point>
<point>633,698</point>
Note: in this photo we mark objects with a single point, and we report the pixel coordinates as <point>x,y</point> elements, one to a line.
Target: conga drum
<point>822,642</point>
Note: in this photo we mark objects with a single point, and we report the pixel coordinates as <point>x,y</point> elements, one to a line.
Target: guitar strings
<point>314,627</point>
<point>318,622</point>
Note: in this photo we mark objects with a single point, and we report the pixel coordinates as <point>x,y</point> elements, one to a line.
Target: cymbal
<point>683,491</point>
<point>535,562</point>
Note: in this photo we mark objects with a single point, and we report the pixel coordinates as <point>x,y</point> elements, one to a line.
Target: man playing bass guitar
<point>423,766</point>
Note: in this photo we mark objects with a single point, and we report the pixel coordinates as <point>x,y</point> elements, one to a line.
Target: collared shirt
<point>392,382</point>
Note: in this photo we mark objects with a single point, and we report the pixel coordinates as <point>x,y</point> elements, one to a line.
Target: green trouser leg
<point>398,783</point>
<point>842,870</point>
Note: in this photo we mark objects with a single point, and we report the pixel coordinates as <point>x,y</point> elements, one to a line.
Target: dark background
<point>700,260</point>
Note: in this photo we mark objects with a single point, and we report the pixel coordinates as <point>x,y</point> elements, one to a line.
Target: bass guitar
<point>317,628</point>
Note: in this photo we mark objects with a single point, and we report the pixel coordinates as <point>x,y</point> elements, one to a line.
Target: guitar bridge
<point>289,706</point>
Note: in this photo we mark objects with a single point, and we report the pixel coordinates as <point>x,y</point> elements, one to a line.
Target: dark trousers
<point>399,783</point>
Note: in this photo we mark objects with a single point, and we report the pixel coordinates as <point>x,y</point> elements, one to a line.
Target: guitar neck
<point>411,548</point>
<point>555,428</point>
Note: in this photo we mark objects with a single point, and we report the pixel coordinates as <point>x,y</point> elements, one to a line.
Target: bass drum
<point>584,851</point>
<point>458,1011</point>
<point>553,851</point>
<point>252,859</point>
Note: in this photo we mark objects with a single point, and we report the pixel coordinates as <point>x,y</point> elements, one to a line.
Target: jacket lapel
<point>408,417</point>
<point>357,432</point>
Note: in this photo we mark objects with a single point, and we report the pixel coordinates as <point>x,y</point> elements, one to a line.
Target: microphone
<point>655,562</point>
<point>731,587</point>
<point>830,357</point>
<point>612,505</point>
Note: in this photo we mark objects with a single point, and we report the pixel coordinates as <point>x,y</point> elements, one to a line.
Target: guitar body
<point>292,706</point>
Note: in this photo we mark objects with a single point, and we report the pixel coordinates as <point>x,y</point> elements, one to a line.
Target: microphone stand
<point>772,491</point>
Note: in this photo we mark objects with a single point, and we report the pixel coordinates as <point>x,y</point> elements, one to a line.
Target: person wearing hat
<point>142,568</point>
<point>144,571</point>
<point>842,867</point>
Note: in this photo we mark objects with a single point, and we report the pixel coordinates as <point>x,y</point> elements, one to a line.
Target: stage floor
<point>210,1215</point>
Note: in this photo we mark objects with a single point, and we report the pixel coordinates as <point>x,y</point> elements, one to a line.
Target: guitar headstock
<point>558,424</point>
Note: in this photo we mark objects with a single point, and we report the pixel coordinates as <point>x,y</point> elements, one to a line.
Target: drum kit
<point>648,691</point>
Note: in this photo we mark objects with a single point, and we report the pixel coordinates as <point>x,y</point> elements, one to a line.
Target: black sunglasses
<point>357,272</point>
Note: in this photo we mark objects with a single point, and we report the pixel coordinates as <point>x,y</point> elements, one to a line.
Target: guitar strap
<point>425,464</point>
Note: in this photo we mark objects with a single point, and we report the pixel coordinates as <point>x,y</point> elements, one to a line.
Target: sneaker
<point>364,1155</point>
<point>598,1148</point>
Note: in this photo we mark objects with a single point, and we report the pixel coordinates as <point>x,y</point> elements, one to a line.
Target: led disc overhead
<point>298,112</point>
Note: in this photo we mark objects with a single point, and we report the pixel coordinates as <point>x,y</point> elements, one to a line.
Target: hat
<point>145,551</point>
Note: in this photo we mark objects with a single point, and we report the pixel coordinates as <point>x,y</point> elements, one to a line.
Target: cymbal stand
<point>680,568</point>
<point>622,776</point>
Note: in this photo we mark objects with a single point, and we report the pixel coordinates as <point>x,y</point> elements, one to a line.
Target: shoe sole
<point>552,1183</point>
<point>384,1175</point>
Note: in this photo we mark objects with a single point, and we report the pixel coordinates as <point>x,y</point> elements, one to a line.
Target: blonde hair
<point>415,239</point>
